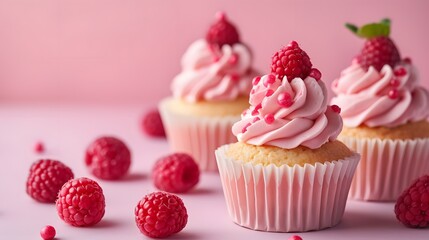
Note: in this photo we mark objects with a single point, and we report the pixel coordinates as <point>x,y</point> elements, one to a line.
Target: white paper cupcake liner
<point>286,199</point>
<point>387,166</point>
<point>196,135</point>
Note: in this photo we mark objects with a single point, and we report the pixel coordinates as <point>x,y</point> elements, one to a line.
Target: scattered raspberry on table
<point>48,232</point>
<point>412,207</point>
<point>177,173</point>
<point>46,178</point>
<point>39,147</point>
<point>81,202</point>
<point>108,158</point>
<point>160,214</point>
<point>152,124</point>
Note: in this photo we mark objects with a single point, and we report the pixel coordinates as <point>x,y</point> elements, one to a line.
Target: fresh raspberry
<point>46,178</point>
<point>412,207</point>
<point>176,173</point>
<point>379,49</point>
<point>222,32</point>
<point>160,215</point>
<point>39,147</point>
<point>108,158</point>
<point>152,124</point>
<point>377,52</point>
<point>295,237</point>
<point>48,232</point>
<point>291,61</point>
<point>81,202</point>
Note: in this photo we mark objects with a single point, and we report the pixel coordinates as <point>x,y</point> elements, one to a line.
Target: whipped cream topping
<point>213,74</point>
<point>388,98</point>
<point>288,114</point>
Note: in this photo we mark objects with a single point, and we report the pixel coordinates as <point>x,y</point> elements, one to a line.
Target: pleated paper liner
<point>286,199</point>
<point>387,166</point>
<point>196,135</point>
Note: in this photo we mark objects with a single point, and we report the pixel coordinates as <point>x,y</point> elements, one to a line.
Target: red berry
<point>81,202</point>
<point>39,148</point>
<point>291,61</point>
<point>108,158</point>
<point>152,124</point>
<point>46,178</point>
<point>222,32</point>
<point>412,207</point>
<point>175,173</point>
<point>160,215</point>
<point>377,52</point>
<point>48,232</point>
<point>295,237</point>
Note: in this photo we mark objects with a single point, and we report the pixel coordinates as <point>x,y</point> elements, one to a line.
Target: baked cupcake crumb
<point>412,130</point>
<point>266,155</point>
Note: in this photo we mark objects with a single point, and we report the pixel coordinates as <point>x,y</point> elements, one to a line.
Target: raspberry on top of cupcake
<point>380,89</point>
<point>289,111</point>
<point>217,68</point>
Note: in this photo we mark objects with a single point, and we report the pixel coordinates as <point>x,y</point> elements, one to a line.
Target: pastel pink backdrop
<point>128,51</point>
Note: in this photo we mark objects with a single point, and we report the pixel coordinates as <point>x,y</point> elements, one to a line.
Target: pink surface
<point>66,131</point>
<point>58,50</point>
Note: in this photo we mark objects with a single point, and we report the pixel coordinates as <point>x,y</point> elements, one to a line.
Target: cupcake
<point>287,172</point>
<point>209,94</point>
<point>384,111</point>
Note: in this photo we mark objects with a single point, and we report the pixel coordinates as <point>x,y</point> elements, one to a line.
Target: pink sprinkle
<point>216,58</point>
<point>393,94</point>
<point>316,74</point>
<point>335,83</point>
<point>394,82</point>
<point>235,77</point>
<point>244,112</point>
<point>336,109</point>
<point>256,80</point>
<point>233,59</point>
<point>245,127</point>
<point>269,92</point>
<point>269,118</point>
<point>400,72</point>
<point>295,237</point>
<point>48,232</point>
<point>407,60</point>
<point>252,91</point>
<point>255,119</point>
<point>39,148</point>
<point>270,79</point>
<point>285,99</point>
<point>256,109</point>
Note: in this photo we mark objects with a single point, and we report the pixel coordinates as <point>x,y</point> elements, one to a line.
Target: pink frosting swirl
<point>387,98</point>
<point>288,114</point>
<point>213,74</point>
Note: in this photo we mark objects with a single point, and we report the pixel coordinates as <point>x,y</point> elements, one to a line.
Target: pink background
<point>128,51</point>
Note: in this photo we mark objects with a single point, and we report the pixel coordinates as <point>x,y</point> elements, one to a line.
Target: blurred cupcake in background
<point>384,111</point>
<point>209,94</point>
<point>287,172</point>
